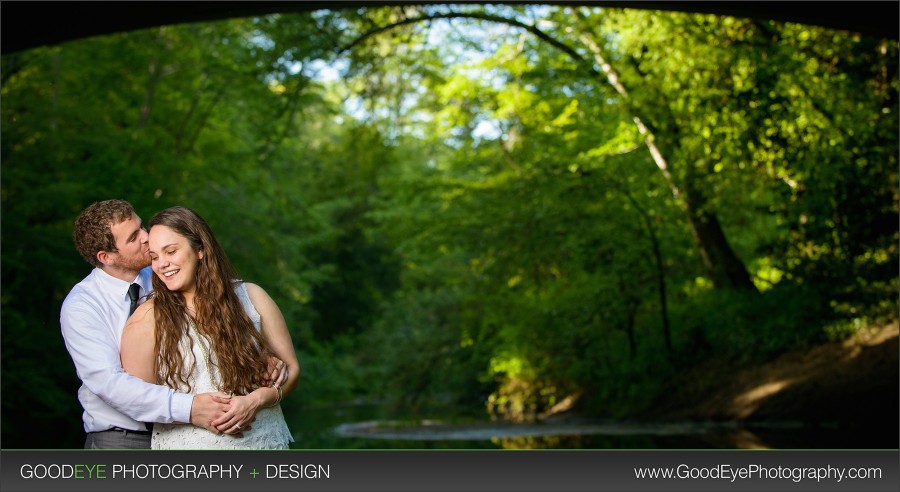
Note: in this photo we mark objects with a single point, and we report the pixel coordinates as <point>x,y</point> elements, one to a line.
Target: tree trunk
<point>660,267</point>
<point>152,80</point>
<point>721,263</point>
<point>723,266</point>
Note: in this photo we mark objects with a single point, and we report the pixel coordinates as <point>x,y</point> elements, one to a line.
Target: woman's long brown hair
<point>240,350</point>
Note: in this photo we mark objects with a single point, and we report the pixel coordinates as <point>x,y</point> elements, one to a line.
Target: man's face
<point>131,242</point>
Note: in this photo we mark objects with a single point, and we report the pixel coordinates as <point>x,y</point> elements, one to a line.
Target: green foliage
<point>749,329</point>
<point>331,372</point>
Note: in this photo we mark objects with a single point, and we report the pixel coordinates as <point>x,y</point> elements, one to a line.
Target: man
<point>109,235</point>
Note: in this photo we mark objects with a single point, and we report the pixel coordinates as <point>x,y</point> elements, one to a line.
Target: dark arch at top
<point>28,25</point>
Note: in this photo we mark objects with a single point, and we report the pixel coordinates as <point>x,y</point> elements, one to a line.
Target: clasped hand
<point>232,415</point>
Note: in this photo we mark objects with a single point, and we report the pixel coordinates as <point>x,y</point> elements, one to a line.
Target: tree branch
<point>568,50</point>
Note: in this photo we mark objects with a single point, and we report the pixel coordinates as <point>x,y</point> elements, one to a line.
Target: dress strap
<point>240,288</point>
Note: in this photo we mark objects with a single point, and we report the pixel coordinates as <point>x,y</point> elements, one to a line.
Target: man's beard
<point>137,262</point>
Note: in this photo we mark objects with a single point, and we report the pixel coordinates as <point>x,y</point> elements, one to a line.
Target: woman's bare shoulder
<point>142,319</point>
<point>255,291</point>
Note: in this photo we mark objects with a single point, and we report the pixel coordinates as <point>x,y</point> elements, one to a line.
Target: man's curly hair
<point>93,228</point>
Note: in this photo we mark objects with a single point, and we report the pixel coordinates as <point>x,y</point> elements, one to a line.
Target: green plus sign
<point>254,473</point>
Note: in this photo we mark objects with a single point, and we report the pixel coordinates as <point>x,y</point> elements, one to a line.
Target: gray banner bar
<point>419,470</point>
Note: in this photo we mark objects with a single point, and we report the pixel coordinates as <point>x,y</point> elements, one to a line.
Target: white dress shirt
<point>92,318</point>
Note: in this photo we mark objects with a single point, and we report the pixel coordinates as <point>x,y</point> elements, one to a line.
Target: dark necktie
<point>133,292</point>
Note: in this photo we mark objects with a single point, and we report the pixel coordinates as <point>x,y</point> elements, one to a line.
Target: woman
<point>203,330</point>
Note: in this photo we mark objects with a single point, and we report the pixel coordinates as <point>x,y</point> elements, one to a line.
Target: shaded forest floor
<point>850,383</point>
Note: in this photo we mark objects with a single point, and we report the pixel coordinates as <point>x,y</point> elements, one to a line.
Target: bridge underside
<point>30,24</point>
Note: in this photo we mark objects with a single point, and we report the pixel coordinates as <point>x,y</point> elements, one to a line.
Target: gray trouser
<point>117,439</point>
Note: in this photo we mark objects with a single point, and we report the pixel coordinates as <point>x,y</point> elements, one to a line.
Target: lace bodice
<point>269,430</point>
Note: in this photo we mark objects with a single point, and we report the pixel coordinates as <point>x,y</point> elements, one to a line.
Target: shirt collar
<point>120,287</point>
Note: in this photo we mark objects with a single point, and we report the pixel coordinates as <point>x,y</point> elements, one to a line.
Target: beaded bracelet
<point>277,400</point>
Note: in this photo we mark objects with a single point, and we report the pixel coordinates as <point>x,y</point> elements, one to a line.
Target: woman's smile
<point>173,259</point>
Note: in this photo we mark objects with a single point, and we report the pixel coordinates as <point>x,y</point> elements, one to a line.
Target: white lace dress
<point>269,430</point>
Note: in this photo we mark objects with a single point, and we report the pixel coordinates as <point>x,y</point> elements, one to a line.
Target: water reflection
<point>381,427</point>
<point>608,435</point>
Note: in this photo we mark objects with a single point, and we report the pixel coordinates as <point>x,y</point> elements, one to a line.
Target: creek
<point>374,426</point>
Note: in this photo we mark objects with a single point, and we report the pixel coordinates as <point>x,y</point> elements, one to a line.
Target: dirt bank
<point>849,383</point>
